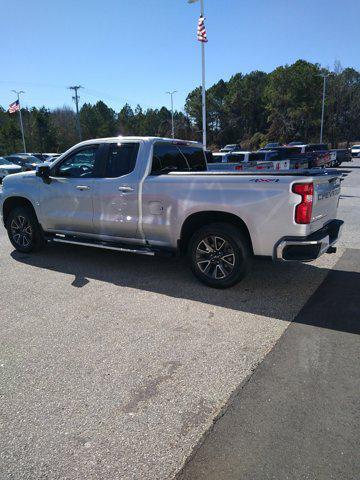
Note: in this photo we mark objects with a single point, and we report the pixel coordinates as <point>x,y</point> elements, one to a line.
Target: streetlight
<point>18,93</point>
<point>172,112</point>
<point>325,76</point>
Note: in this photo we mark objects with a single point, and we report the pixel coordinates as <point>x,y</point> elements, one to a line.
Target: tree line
<point>250,109</point>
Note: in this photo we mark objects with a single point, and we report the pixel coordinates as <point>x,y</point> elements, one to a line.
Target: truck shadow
<point>275,291</point>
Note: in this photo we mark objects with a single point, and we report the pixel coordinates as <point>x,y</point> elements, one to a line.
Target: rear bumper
<point>306,249</point>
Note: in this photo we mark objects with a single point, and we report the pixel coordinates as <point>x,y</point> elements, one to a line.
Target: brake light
<point>303,210</point>
<point>238,167</point>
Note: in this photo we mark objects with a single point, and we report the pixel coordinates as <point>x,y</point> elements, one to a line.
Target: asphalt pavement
<point>297,417</point>
<point>116,366</point>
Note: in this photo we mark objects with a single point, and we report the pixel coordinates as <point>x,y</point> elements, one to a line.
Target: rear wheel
<point>24,230</point>
<point>219,255</point>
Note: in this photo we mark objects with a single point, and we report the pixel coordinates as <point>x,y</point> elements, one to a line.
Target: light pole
<point>324,75</point>
<point>18,93</point>
<point>172,112</point>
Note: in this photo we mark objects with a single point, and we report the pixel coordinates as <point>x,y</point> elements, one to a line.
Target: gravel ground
<point>113,366</point>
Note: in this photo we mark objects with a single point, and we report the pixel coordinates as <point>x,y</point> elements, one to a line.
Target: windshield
<point>32,159</point>
<point>3,161</point>
<point>23,159</point>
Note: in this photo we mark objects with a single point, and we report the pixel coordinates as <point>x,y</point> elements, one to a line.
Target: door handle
<point>82,187</point>
<point>125,189</point>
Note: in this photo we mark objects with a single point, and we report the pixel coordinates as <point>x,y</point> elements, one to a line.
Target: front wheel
<point>24,230</point>
<point>220,255</point>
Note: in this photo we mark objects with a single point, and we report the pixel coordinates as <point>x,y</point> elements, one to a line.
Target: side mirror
<point>43,171</point>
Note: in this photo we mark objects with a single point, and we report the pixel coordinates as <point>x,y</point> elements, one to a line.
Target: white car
<point>355,151</point>
<point>6,168</point>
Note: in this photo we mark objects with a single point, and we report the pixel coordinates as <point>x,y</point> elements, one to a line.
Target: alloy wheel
<point>21,231</point>
<point>215,257</point>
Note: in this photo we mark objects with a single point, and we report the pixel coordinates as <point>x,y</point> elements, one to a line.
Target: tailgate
<point>325,200</point>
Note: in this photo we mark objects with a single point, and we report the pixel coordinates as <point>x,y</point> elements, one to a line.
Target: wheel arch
<point>200,219</point>
<point>13,202</point>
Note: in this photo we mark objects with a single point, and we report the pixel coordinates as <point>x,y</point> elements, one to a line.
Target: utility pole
<point>172,112</point>
<point>18,93</point>
<point>324,75</point>
<point>76,99</point>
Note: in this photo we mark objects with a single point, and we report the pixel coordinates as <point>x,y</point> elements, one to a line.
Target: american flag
<point>14,107</point>
<point>201,31</point>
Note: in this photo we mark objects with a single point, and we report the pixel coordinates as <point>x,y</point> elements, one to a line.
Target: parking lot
<point>114,366</point>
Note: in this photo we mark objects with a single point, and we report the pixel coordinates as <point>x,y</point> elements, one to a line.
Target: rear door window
<point>121,159</point>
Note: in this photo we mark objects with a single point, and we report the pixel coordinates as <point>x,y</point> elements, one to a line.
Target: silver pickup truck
<point>154,196</point>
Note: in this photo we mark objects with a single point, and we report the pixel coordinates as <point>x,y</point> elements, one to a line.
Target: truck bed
<point>314,172</point>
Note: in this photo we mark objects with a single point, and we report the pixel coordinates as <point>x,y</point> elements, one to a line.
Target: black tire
<point>24,230</point>
<point>232,258</point>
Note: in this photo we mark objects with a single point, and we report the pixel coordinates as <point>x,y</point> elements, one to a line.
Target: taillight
<point>238,167</point>
<point>303,210</point>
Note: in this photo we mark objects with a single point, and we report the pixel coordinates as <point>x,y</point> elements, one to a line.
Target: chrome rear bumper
<point>306,249</point>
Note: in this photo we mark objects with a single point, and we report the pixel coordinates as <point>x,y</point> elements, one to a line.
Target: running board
<point>103,245</point>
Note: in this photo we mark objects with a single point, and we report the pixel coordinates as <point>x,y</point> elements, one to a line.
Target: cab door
<point>115,195</point>
<point>66,202</point>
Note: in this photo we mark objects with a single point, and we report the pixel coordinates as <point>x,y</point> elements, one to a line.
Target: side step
<point>103,245</point>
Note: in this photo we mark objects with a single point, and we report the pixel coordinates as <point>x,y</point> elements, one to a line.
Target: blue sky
<point>135,50</point>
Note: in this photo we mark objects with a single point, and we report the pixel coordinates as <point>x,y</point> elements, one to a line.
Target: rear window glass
<point>169,157</point>
<point>210,157</point>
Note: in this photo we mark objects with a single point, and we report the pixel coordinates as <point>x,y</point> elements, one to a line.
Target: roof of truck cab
<point>139,139</point>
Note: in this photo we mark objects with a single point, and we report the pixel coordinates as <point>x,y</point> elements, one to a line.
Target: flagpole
<point>203,90</point>
<point>20,117</point>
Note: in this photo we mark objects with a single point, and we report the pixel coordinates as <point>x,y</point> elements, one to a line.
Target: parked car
<point>39,156</point>
<point>238,161</point>
<point>25,161</point>
<point>280,158</point>
<point>292,156</point>
<point>153,195</point>
<point>294,144</point>
<point>7,168</point>
<point>49,157</point>
<point>341,155</point>
<point>317,154</point>
<point>233,147</point>
<point>271,145</point>
<point>355,150</point>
